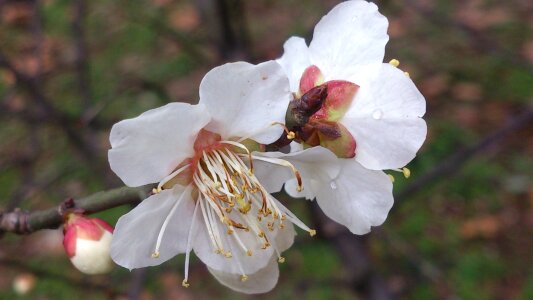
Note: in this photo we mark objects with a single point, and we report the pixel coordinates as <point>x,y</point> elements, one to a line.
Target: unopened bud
<point>87,242</point>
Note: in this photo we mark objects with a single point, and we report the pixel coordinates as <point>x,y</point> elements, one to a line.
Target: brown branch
<point>22,222</point>
<point>454,163</point>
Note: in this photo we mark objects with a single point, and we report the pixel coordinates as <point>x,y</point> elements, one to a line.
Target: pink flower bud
<point>87,242</point>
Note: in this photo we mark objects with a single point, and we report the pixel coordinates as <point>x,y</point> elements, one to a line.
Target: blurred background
<point>461,227</point>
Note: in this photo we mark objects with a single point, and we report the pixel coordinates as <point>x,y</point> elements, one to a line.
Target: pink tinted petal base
<point>311,77</point>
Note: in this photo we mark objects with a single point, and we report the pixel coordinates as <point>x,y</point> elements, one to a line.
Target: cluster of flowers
<point>323,121</point>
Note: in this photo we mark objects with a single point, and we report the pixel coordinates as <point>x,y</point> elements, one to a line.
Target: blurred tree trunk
<point>226,23</point>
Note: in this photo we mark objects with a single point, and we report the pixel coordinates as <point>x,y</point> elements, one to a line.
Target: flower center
<point>229,191</point>
<point>236,208</point>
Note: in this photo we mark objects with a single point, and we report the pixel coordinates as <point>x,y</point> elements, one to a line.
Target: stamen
<point>214,177</point>
<point>245,149</point>
<point>207,225</point>
<point>241,244</point>
<point>261,131</point>
<point>391,178</point>
<point>405,171</point>
<point>394,62</point>
<point>281,259</point>
<point>407,74</point>
<point>185,284</point>
<point>239,265</point>
<point>290,134</point>
<point>167,219</point>
<point>169,177</point>
<point>283,163</point>
<point>293,219</point>
<point>189,245</point>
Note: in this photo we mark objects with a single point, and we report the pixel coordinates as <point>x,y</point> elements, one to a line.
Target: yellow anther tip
<point>249,252</point>
<point>244,278</point>
<point>394,62</point>
<point>407,74</point>
<point>312,232</point>
<point>228,255</point>
<point>185,284</point>
<point>156,190</point>
<point>391,177</point>
<point>406,172</point>
<point>299,188</point>
<point>155,254</point>
<point>291,135</point>
<point>281,259</point>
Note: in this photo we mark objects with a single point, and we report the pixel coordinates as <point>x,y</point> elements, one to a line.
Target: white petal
<point>311,163</point>
<point>385,120</point>
<point>245,99</point>
<point>358,199</point>
<point>349,42</point>
<point>262,281</point>
<point>92,257</point>
<point>249,264</point>
<point>295,60</point>
<point>147,148</point>
<point>136,232</point>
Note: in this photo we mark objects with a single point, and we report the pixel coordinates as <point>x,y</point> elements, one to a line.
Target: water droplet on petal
<point>333,185</point>
<point>377,114</point>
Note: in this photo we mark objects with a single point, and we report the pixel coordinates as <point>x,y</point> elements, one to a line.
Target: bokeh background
<point>461,227</point>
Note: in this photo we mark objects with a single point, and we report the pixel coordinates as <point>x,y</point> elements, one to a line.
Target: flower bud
<point>87,242</point>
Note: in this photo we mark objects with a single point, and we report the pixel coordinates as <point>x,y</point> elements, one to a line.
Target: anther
<point>156,190</point>
<point>281,259</point>
<point>291,135</point>
<point>394,62</point>
<point>228,255</point>
<point>391,178</point>
<point>406,172</point>
<point>244,278</point>
<point>185,284</point>
<point>155,254</point>
<point>249,252</point>
<point>312,232</point>
<point>407,74</point>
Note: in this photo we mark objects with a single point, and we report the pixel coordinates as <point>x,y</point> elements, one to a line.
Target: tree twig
<point>21,222</point>
<point>456,160</point>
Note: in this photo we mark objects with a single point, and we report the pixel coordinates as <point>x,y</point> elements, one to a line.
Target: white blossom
<point>208,198</point>
<point>375,108</point>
